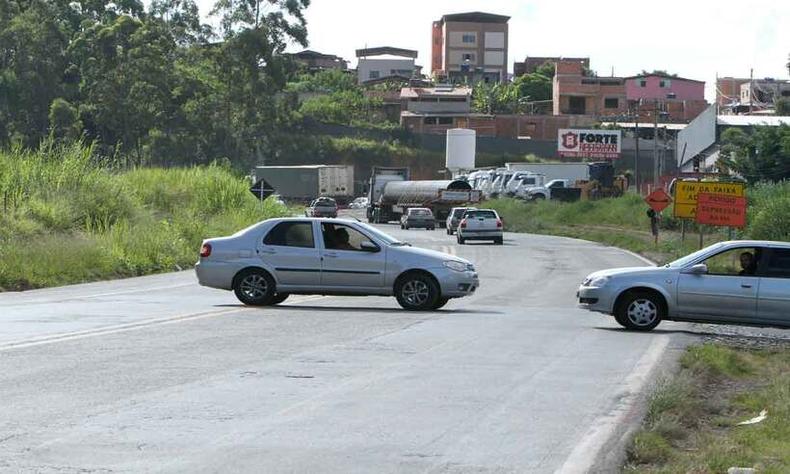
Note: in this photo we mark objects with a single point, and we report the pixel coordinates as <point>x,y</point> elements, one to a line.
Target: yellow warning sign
<point>686,193</point>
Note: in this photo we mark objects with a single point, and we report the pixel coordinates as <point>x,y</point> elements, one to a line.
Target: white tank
<point>461,144</point>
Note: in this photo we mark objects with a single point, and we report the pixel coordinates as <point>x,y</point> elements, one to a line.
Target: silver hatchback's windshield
<point>387,239</point>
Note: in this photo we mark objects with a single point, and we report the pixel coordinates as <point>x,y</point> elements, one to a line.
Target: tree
<point>783,107</point>
<point>64,120</point>
<point>762,155</point>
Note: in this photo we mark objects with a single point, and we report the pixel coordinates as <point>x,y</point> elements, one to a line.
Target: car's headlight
<point>598,281</point>
<point>457,266</point>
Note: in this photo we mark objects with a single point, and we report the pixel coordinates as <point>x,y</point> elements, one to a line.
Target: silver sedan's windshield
<point>682,262</point>
<point>386,238</point>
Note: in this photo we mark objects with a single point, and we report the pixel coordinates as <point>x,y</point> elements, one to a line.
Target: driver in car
<point>748,264</point>
<point>341,240</point>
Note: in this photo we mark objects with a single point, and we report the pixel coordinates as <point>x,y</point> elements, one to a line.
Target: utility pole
<point>655,143</point>
<point>751,89</point>
<point>636,159</point>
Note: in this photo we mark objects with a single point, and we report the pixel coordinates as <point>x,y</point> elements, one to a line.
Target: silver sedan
<point>737,282</point>
<point>268,261</point>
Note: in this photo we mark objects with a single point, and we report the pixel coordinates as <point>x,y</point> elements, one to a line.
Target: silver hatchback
<point>268,261</point>
<point>736,282</point>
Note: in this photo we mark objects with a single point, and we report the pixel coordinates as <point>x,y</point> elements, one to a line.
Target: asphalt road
<point>160,374</point>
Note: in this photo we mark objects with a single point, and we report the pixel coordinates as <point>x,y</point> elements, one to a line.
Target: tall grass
<point>69,217</point>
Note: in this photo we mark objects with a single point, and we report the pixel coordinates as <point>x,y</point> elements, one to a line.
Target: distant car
<point>418,218</point>
<point>736,282</point>
<point>322,207</point>
<point>454,218</point>
<point>480,224</point>
<point>359,203</point>
<point>268,261</point>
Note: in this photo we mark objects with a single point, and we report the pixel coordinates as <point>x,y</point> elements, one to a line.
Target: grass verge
<point>68,217</point>
<point>692,420</point>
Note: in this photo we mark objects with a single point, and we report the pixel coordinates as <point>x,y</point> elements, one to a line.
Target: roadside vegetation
<point>623,221</point>
<point>692,420</point>
<point>68,216</point>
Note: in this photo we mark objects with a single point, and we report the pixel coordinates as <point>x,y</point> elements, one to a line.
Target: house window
<point>664,83</point>
<point>468,57</point>
<point>429,120</point>
<point>445,120</point>
<point>373,75</point>
<point>672,95</point>
<point>643,83</point>
<point>786,93</point>
<point>611,103</point>
<point>468,38</point>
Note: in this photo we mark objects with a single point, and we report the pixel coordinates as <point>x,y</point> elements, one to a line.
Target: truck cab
<point>528,183</point>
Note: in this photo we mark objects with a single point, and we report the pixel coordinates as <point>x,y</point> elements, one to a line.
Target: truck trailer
<point>440,196</point>
<point>308,182</point>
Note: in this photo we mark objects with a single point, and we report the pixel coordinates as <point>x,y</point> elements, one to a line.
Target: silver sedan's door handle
<point>745,285</point>
<point>330,255</point>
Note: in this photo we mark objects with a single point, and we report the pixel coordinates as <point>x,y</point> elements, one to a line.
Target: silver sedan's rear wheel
<point>640,311</point>
<point>417,292</point>
<point>254,287</point>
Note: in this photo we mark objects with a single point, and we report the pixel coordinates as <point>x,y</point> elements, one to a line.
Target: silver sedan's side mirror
<point>369,247</point>
<point>698,269</point>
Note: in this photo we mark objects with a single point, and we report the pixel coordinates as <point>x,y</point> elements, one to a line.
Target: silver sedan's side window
<point>778,265</point>
<point>291,234</point>
<point>342,237</point>
<point>735,262</point>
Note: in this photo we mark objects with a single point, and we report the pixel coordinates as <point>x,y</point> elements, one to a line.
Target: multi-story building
<point>470,47</point>
<point>315,61</point>
<point>728,91</point>
<point>386,61</point>
<point>575,93</point>
<point>531,64</point>
<point>762,94</point>
<point>678,99</point>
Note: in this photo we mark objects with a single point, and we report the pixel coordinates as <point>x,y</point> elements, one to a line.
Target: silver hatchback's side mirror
<point>698,269</point>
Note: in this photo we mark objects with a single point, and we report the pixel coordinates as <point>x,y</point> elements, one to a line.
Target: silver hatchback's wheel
<point>254,287</point>
<point>641,311</point>
<point>417,292</point>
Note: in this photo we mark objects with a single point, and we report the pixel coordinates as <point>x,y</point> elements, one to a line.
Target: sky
<point>697,39</point>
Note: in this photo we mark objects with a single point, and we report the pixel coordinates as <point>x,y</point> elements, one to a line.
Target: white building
<point>383,62</point>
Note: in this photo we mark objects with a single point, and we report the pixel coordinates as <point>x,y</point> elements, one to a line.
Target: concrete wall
<point>683,90</point>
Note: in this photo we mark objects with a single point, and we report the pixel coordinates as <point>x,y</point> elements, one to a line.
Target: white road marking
<point>587,450</point>
<point>107,330</point>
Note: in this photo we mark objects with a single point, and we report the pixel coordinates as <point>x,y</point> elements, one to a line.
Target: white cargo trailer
<point>308,182</point>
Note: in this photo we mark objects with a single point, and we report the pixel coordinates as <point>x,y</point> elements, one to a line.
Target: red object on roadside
<point>721,210</point>
<point>658,200</point>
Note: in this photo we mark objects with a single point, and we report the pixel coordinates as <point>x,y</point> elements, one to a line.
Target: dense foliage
<point>761,154</point>
<point>153,85</point>
<point>523,95</point>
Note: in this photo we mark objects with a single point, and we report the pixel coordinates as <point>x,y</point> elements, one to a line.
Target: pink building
<point>663,87</point>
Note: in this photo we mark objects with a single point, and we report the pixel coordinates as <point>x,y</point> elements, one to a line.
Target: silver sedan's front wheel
<point>254,287</point>
<point>417,292</point>
<point>640,311</point>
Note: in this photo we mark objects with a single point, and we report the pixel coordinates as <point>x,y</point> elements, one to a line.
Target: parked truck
<point>308,182</point>
<point>379,177</point>
<point>439,196</point>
